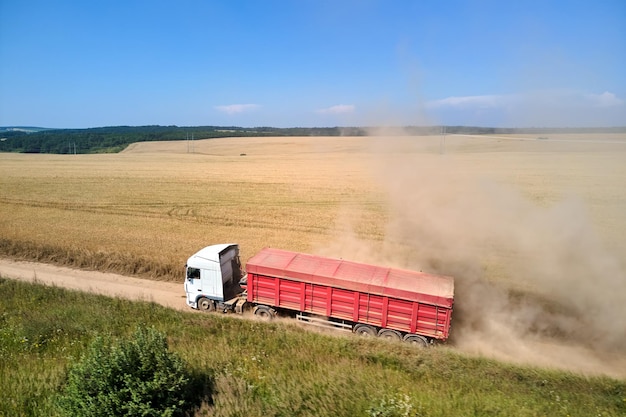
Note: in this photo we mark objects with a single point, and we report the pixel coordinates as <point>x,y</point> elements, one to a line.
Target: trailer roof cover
<point>372,279</point>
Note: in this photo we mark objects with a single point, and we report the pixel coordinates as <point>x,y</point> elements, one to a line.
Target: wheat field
<point>157,203</point>
<point>160,203</point>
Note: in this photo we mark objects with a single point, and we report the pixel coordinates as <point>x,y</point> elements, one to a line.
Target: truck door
<point>193,285</point>
<point>203,282</point>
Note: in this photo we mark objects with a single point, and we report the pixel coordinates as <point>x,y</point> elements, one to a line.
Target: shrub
<point>398,406</point>
<point>135,377</point>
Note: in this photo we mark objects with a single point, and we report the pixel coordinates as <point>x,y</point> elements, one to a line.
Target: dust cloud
<point>533,284</point>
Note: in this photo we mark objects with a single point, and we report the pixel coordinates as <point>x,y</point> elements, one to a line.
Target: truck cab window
<point>193,273</point>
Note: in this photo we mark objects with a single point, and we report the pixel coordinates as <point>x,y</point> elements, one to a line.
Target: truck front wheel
<point>205,304</point>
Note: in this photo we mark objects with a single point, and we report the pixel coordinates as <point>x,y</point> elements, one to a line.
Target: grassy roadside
<point>277,369</point>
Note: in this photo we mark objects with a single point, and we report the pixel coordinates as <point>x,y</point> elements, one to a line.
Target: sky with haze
<point>312,63</point>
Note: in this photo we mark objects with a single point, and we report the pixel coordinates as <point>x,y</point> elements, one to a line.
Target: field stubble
<point>532,230</point>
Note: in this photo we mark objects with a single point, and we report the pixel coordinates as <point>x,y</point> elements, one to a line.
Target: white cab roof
<point>207,256</point>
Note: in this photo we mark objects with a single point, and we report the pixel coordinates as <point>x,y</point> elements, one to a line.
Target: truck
<point>368,300</point>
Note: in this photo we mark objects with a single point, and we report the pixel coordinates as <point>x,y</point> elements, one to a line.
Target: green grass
<point>276,369</point>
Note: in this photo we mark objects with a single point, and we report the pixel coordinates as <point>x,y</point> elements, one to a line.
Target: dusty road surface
<point>547,353</point>
<point>165,293</point>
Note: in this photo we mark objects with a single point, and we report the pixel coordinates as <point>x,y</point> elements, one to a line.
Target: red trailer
<point>367,299</point>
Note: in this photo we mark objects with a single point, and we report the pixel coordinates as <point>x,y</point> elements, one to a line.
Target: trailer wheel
<point>416,340</point>
<point>364,330</point>
<point>389,334</point>
<point>264,312</point>
<point>205,304</point>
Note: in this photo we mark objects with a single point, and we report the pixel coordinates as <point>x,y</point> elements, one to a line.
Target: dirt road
<point>538,353</point>
<point>165,293</point>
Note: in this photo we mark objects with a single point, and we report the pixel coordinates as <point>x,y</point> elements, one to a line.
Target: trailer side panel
<point>326,287</point>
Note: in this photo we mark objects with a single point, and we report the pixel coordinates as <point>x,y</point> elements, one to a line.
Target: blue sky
<point>75,64</point>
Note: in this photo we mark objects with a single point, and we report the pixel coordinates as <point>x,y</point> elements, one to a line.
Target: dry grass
<point>154,204</point>
<point>164,206</point>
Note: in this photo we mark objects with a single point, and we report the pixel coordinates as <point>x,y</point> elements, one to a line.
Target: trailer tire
<point>364,330</point>
<point>389,334</point>
<point>416,340</point>
<point>265,313</point>
<point>206,304</point>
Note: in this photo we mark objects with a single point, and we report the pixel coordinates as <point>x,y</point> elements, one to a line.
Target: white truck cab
<point>212,276</point>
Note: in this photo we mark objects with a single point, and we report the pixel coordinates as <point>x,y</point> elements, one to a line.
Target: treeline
<point>115,139</point>
<point>470,130</point>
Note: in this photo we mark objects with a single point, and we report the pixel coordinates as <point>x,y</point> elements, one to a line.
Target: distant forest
<point>115,139</point>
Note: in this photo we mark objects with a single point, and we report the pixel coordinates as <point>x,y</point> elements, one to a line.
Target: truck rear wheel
<point>205,304</point>
<point>416,340</point>
<point>364,330</point>
<point>389,334</point>
<point>264,312</point>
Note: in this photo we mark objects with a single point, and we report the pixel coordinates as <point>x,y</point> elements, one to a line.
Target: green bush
<point>398,406</point>
<point>136,377</point>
